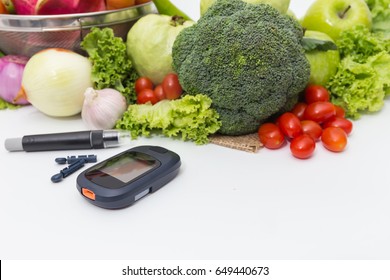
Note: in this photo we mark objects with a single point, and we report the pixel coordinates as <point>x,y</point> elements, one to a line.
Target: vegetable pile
<point>241,68</point>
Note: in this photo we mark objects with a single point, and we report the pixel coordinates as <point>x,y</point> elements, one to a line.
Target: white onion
<point>54,81</point>
<point>102,108</point>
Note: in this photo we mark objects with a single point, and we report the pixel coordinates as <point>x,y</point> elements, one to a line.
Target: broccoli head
<point>247,58</point>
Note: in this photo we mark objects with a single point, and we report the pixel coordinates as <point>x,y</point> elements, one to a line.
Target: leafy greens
<point>189,117</point>
<point>362,81</point>
<point>111,67</point>
<point>380,11</point>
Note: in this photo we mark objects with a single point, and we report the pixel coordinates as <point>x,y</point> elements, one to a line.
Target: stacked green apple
<point>333,17</point>
<point>359,80</point>
<point>326,20</point>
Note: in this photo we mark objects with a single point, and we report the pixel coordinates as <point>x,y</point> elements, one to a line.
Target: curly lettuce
<point>360,43</point>
<point>361,87</point>
<point>189,117</point>
<point>380,11</point>
<point>111,67</point>
<point>362,81</point>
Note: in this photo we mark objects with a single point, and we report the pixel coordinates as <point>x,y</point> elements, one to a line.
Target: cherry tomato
<point>159,92</point>
<point>343,123</point>
<point>315,93</point>
<point>312,129</point>
<point>303,146</point>
<point>299,110</point>
<point>290,125</point>
<point>319,111</point>
<point>171,86</point>
<point>334,139</point>
<point>271,136</point>
<point>147,95</point>
<point>143,83</point>
<point>340,112</point>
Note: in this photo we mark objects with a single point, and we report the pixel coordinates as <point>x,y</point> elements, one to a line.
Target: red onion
<point>11,73</point>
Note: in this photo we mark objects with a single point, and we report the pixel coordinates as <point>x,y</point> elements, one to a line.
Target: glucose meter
<point>124,178</point>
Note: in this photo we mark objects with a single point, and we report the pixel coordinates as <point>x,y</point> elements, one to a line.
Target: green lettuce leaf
<point>360,43</point>
<point>380,10</point>
<point>361,87</point>
<point>5,105</point>
<point>111,67</point>
<point>190,118</point>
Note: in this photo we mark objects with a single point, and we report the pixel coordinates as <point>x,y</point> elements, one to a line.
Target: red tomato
<point>345,124</point>
<point>303,146</point>
<point>143,83</point>
<point>315,93</point>
<point>299,110</point>
<point>159,92</point>
<point>290,125</point>
<point>334,139</point>
<point>319,111</point>
<point>312,129</point>
<point>147,95</point>
<point>340,112</point>
<point>271,136</point>
<point>171,86</point>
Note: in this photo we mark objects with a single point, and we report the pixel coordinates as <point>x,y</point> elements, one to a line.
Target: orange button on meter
<point>88,193</point>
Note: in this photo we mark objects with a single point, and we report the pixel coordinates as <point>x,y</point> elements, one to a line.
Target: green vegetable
<point>362,80</point>
<point>360,43</point>
<point>166,7</point>
<point>313,44</point>
<point>189,117</point>
<point>361,86</point>
<point>6,105</point>
<point>380,10</point>
<point>151,54</point>
<point>247,58</point>
<point>111,67</point>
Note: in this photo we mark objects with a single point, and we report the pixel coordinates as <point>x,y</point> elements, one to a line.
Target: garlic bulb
<point>102,108</point>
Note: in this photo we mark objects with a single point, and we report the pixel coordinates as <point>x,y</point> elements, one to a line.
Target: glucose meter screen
<point>129,166</point>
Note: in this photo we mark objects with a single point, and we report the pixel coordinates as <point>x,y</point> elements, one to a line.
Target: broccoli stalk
<point>247,58</point>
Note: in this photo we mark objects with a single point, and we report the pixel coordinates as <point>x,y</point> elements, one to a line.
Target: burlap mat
<point>248,143</point>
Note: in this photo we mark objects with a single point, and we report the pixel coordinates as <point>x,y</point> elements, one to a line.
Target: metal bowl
<point>26,35</point>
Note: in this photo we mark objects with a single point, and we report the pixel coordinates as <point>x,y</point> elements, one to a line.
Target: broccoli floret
<point>247,58</point>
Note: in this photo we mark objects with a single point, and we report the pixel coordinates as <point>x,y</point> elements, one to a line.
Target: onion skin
<point>11,73</point>
<point>54,81</point>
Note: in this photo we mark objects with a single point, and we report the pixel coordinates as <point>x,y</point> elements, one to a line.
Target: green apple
<point>281,5</point>
<point>323,64</point>
<point>334,16</point>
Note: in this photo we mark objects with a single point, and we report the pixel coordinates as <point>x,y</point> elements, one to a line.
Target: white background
<point>224,204</point>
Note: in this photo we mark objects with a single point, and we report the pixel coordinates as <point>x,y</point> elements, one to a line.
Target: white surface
<point>224,204</point>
